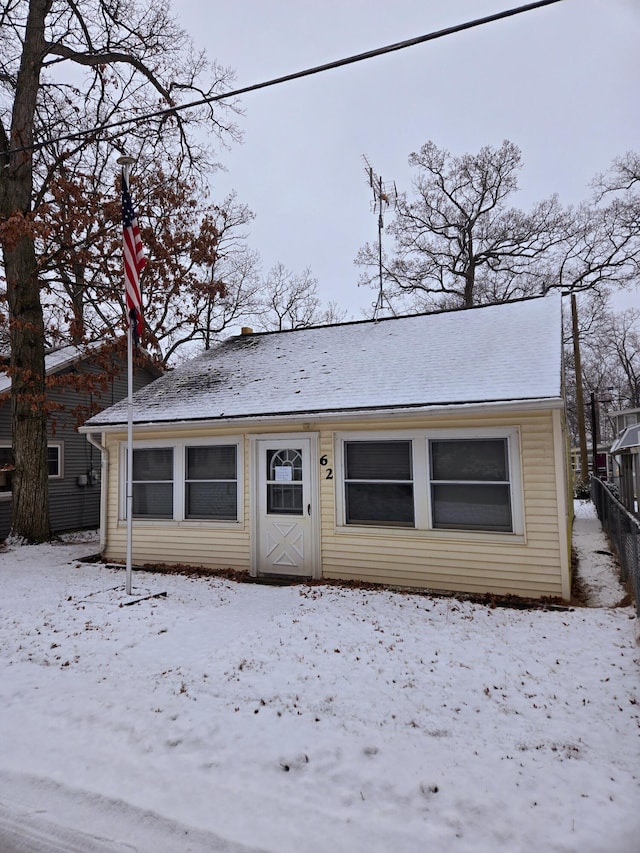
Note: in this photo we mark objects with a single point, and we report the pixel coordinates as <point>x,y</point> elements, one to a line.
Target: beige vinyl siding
<point>193,543</point>
<point>532,564</point>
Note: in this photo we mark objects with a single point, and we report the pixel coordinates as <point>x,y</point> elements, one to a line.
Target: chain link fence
<point>623,530</point>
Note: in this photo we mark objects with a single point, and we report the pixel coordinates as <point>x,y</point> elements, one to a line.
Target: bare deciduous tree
<point>458,242</point>
<point>290,301</point>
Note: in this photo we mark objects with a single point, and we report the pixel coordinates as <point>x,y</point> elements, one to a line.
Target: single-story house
<point>426,451</point>
<point>79,381</point>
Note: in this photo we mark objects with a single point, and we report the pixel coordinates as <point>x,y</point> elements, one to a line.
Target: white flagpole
<point>126,162</point>
<point>129,458</point>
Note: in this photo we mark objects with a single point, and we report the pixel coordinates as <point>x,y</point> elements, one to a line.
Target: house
<point>426,451</point>
<point>624,453</point>
<point>79,381</point>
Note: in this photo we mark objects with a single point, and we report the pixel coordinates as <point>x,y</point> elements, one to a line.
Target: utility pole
<point>582,432</point>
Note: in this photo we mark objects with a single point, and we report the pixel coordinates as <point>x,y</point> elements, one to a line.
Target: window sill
<point>186,523</point>
<point>432,534</point>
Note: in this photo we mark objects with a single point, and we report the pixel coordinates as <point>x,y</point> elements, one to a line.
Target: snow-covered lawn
<point>230,716</point>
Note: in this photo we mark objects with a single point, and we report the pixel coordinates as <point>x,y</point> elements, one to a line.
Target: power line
<point>296,75</point>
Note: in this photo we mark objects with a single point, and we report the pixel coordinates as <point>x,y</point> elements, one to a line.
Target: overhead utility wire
<point>296,75</point>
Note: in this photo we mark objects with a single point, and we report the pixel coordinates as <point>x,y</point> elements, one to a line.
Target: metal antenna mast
<point>384,197</point>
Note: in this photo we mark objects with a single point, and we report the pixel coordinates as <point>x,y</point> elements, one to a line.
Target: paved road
<point>41,816</point>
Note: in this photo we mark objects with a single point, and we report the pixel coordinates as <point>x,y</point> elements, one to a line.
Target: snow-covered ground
<point>304,719</point>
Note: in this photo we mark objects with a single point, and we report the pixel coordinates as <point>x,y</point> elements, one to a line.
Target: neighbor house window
<point>6,468</point>
<point>54,464</point>
<point>470,484</point>
<point>211,482</point>
<point>54,460</point>
<point>153,482</point>
<point>378,483</point>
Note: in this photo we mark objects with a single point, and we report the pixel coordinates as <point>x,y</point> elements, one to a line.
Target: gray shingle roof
<point>55,360</point>
<point>497,353</point>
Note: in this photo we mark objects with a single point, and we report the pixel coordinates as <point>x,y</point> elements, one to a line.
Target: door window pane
<point>284,481</point>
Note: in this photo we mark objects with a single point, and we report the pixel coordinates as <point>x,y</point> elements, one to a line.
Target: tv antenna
<point>385,195</point>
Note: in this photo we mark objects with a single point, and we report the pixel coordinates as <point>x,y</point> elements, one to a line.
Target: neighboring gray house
<point>78,381</point>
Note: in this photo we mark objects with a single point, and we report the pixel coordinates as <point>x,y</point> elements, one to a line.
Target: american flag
<point>134,261</point>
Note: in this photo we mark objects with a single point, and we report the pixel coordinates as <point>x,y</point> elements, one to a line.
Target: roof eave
<point>402,412</point>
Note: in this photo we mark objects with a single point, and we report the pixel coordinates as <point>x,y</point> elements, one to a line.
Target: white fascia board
<point>403,412</point>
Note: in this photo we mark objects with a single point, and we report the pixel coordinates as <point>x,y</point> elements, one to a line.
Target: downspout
<point>104,475</point>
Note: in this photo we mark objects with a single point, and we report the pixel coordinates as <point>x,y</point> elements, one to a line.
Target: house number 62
<point>329,472</point>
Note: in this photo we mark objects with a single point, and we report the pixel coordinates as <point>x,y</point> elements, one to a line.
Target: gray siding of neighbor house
<point>74,498</point>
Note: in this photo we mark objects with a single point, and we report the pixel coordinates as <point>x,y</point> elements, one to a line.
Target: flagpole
<point>126,162</point>
<point>129,459</point>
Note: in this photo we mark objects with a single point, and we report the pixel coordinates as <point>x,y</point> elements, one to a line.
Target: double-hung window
<point>153,482</point>
<point>379,483</point>
<point>54,460</point>
<point>470,484</point>
<point>54,464</point>
<point>211,482</point>
<point>185,481</point>
<point>439,480</point>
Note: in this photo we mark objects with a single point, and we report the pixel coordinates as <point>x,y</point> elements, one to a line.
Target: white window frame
<point>179,472</point>
<point>59,446</point>
<point>422,481</point>
<point>412,480</point>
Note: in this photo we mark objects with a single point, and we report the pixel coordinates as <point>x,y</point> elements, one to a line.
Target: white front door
<point>285,511</point>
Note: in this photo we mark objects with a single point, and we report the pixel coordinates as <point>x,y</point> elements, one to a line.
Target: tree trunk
<point>469,285</point>
<point>30,515</point>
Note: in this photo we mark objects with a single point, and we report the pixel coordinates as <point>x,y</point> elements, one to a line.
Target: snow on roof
<point>629,439</point>
<point>53,362</point>
<point>506,352</point>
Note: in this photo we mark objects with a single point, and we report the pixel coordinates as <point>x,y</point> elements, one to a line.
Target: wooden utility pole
<point>582,432</point>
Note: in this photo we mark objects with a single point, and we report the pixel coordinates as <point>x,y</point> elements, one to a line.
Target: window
<point>153,482</point>
<point>470,486</point>
<point>184,481</point>
<point>54,464</point>
<point>54,460</point>
<point>284,481</point>
<point>6,468</point>
<point>378,483</point>
<point>211,482</point>
<point>449,481</point>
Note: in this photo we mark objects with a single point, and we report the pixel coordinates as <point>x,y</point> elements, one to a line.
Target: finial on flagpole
<point>126,161</point>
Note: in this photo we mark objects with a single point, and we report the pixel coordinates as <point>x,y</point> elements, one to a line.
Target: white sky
<point>239,718</point>
<point>561,82</point>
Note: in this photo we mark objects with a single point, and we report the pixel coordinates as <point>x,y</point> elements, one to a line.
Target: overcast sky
<point>561,82</point>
